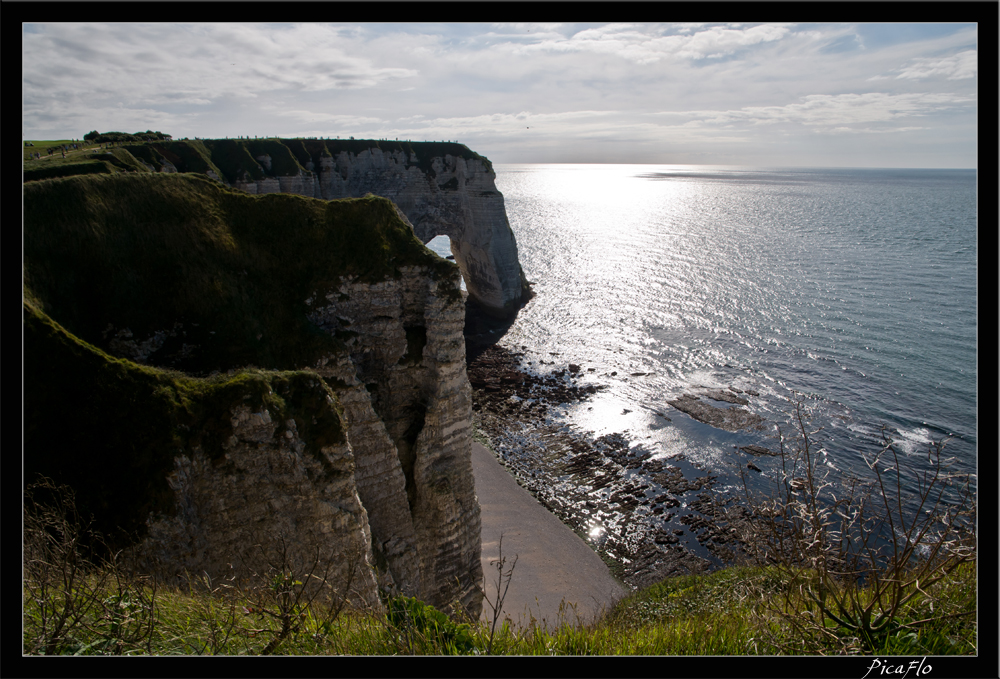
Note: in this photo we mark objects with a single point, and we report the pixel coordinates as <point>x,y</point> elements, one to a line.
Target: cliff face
<point>454,196</point>
<point>409,351</point>
<point>442,188</point>
<point>365,458</point>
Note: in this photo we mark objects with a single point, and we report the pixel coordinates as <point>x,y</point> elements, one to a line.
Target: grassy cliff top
<point>230,159</point>
<point>222,275</point>
<point>425,151</point>
<point>119,425</point>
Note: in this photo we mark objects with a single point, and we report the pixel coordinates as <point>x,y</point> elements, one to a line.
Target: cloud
<point>199,61</point>
<point>573,85</point>
<point>718,41</point>
<point>838,110</point>
<point>958,67</point>
<point>644,44</point>
<point>310,116</point>
<point>505,124</point>
<point>868,130</point>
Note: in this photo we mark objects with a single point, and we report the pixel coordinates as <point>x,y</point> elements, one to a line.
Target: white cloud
<point>318,117</point>
<point>725,40</point>
<point>868,130</point>
<point>644,44</point>
<point>201,61</point>
<point>505,124</point>
<point>838,110</point>
<point>749,85</point>
<point>958,67</point>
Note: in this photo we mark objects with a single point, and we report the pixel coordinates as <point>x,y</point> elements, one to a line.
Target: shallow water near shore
<point>853,290</point>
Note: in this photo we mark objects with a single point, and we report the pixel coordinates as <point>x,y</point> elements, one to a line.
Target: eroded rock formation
<point>361,453</point>
<point>443,188</point>
<point>455,196</point>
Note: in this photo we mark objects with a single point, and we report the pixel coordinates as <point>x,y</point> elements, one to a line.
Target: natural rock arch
<point>451,193</point>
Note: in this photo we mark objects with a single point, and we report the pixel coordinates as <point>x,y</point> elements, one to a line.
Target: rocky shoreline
<point>649,518</point>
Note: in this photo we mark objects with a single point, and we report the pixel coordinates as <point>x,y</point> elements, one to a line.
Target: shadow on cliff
<point>483,330</point>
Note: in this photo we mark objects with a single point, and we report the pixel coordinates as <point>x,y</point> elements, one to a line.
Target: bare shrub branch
<point>290,593</point>
<point>502,585</point>
<point>62,588</point>
<point>855,554</point>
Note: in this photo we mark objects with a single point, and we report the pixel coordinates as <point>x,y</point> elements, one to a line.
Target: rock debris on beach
<point>757,450</point>
<point>627,504</point>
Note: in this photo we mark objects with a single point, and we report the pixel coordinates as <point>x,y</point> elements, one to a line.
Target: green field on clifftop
<point>229,159</point>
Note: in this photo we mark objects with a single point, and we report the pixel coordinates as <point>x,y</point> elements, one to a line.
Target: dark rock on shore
<point>626,504</point>
<point>730,419</point>
<point>727,396</point>
<point>501,386</point>
<point>757,450</point>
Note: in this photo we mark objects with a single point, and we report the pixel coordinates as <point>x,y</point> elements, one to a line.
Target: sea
<point>850,292</point>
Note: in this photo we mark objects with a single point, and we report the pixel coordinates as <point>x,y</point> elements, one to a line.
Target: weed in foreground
<point>63,590</point>
<point>502,585</point>
<point>79,598</point>
<point>858,560</point>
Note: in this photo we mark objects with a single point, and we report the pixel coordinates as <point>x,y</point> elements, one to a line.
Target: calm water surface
<point>852,289</point>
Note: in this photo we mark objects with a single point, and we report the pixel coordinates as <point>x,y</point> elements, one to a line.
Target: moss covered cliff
<point>204,365</point>
<point>120,425</point>
<point>193,275</point>
<point>443,188</point>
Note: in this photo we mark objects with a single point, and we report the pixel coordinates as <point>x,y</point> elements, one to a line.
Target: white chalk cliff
<point>448,195</point>
<point>352,434</point>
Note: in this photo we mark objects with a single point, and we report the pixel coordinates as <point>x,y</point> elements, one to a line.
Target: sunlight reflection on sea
<point>666,280</point>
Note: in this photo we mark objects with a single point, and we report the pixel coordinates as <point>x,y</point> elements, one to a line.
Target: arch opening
<point>441,245</point>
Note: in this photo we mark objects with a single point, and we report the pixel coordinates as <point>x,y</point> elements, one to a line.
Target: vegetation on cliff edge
<point>179,272</point>
<point>202,277</point>
<point>87,410</point>
<point>231,160</point>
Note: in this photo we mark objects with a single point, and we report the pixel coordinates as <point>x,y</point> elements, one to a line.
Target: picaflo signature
<point>884,668</point>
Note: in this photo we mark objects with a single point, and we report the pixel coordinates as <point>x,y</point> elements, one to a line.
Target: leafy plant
<point>296,597</point>
<point>424,628</point>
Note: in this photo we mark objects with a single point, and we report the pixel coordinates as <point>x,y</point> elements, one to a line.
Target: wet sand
<point>557,576</point>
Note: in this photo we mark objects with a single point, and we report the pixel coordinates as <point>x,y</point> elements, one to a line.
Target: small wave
<point>917,434</point>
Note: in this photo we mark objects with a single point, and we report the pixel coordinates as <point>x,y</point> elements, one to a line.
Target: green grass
<point>425,151</point>
<point>729,612</point>
<point>76,166</point>
<point>41,146</point>
<point>127,161</point>
<point>213,280</point>
<point>283,161</point>
<point>186,156</point>
<point>233,159</point>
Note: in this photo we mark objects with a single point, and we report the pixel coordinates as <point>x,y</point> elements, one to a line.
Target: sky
<point>770,94</point>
